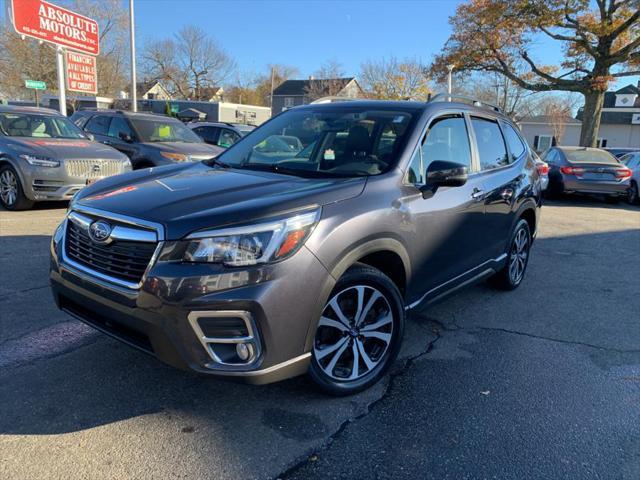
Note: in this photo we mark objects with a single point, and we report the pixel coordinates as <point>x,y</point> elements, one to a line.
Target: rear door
<point>445,226</point>
<point>502,179</point>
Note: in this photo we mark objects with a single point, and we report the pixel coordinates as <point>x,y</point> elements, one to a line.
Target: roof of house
<point>302,87</point>
<point>610,97</point>
<point>209,92</point>
<point>548,119</point>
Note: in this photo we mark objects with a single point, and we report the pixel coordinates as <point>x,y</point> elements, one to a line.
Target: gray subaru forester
<point>279,258</point>
<point>43,156</point>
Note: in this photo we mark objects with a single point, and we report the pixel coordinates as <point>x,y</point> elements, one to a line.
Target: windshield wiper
<point>214,161</point>
<point>296,172</point>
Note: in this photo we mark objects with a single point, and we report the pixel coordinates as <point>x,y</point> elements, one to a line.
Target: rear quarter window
<point>515,142</point>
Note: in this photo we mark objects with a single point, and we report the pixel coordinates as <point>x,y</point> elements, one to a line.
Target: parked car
<point>619,152</point>
<point>586,170</point>
<point>543,170</point>
<point>220,134</point>
<point>632,162</point>
<point>43,156</point>
<point>263,271</point>
<point>149,140</point>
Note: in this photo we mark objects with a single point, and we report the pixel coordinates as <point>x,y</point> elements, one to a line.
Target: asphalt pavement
<point>542,382</point>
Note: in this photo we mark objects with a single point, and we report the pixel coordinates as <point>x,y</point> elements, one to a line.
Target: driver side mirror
<point>90,136</point>
<point>125,137</point>
<point>441,173</point>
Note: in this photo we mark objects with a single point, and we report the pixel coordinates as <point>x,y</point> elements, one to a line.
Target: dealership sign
<point>48,22</point>
<point>82,75</point>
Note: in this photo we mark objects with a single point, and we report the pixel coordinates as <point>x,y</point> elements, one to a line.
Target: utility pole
<point>271,96</point>
<point>450,79</point>
<point>62,97</point>
<point>132,34</point>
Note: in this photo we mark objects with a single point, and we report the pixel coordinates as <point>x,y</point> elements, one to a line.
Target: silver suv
<point>302,246</point>
<point>44,156</point>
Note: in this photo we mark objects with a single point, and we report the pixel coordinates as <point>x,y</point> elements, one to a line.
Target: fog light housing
<point>243,350</point>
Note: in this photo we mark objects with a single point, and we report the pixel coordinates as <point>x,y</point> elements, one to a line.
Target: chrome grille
<point>124,260</point>
<point>97,168</point>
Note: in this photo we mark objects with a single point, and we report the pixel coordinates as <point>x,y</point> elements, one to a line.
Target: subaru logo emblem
<point>96,168</point>
<point>100,231</point>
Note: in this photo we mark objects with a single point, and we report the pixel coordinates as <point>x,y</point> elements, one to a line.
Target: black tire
<point>17,201</point>
<point>364,337</point>
<point>633,196</point>
<point>505,279</point>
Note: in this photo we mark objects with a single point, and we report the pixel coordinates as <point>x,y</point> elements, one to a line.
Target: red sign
<point>82,75</point>
<point>50,23</point>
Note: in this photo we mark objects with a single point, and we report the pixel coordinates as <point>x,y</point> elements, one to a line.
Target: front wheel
<point>511,275</point>
<point>359,332</point>
<point>12,196</point>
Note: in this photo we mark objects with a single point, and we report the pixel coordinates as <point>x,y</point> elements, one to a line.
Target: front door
<point>444,226</point>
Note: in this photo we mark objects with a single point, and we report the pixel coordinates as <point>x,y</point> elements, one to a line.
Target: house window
<point>602,143</point>
<point>544,142</point>
<point>288,102</point>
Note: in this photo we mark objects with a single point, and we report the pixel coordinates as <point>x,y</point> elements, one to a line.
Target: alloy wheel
<point>518,256</point>
<point>633,194</point>
<point>354,333</point>
<point>8,187</point>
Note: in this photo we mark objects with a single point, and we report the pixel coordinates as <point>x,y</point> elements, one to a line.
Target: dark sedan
<point>586,170</point>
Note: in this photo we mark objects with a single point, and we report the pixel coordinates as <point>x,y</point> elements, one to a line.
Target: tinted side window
<point>99,125</point>
<point>448,140</point>
<point>119,125</point>
<point>516,146</point>
<point>208,134</point>
<point>491,146</point>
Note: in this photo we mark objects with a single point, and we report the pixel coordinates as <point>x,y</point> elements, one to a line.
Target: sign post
<point>35,85</point>
<point>50,23</point>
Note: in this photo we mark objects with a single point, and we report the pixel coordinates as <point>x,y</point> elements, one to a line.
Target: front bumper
<point>62,183</point>
<point>283,300</point>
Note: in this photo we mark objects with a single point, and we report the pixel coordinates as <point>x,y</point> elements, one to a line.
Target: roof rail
<point>451,97</point>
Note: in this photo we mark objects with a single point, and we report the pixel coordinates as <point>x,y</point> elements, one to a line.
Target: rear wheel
<point>632,194</point>
<point>11,194</point>
<point>359,332</point>
<point>512,274</point>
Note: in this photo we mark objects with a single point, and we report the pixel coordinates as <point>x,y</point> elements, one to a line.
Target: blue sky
<point>304,34</point>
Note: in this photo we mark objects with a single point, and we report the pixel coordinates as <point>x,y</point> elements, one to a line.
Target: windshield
<point>350,141</point>
<point>161,130</point>
<point>37,126</point>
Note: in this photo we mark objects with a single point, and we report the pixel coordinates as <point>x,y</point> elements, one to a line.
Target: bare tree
<point>188,63</point>
<point>395,79</point>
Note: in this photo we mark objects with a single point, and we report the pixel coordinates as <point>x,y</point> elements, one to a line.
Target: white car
<point>632,161</point>
<point>543,170</point>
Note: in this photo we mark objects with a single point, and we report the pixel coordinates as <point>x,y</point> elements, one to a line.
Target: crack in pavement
<point>396,372</point>
<point>559,340</point>
<point>5,295</point>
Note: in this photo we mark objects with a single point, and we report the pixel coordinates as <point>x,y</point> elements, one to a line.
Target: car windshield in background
<point>37,126</point>
<point>590,156</point>
<point>324,143</point>
<point>159,130</point>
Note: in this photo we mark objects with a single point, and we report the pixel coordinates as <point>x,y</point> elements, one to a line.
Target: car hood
<point>189,197</point>
<point>198,151</point>
<point>62,148</point>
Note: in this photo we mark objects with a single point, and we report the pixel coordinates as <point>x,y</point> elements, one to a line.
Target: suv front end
<point>226,316</point>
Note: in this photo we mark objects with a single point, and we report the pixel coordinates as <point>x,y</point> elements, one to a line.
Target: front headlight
<point>176,157</point>
<point>39,161</point>
<point>241,246</point>
<point>126,167</point>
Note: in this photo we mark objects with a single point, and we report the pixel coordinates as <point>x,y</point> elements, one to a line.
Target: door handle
<point>477,194</point>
